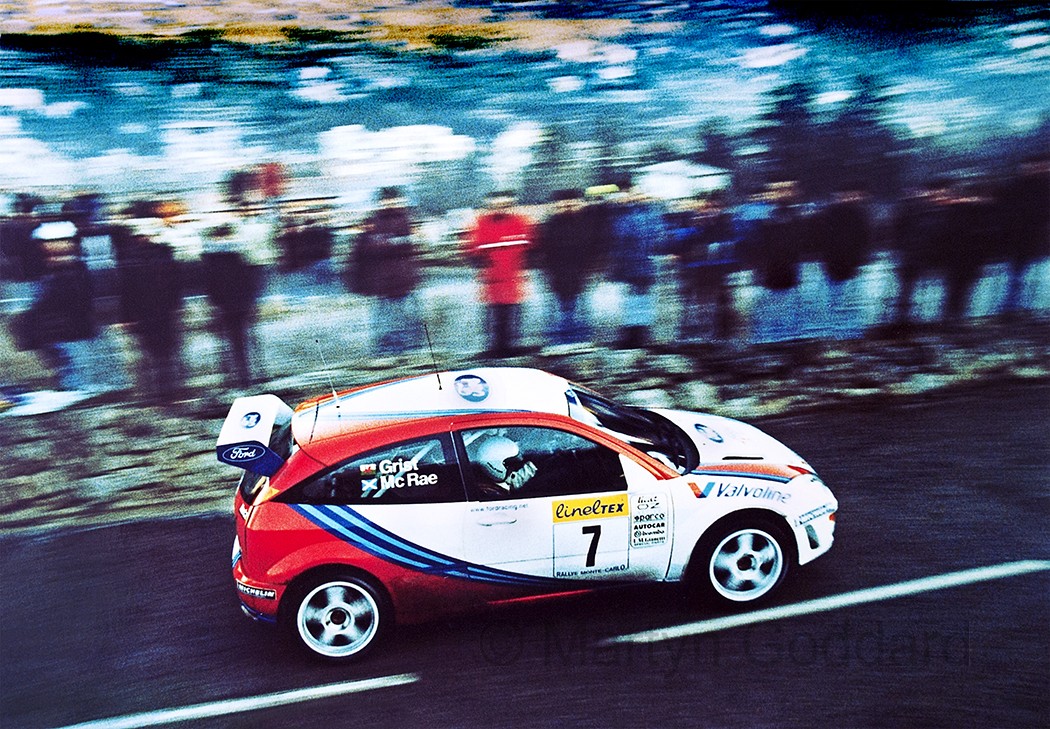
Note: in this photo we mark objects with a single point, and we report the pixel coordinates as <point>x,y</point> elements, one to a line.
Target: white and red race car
<point>409,499</point>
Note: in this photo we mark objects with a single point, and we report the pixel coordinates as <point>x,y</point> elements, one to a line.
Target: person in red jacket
<point>499,244</point>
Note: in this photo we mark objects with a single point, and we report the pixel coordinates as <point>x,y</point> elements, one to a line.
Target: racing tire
<point>742,563</point>
<point>338,617</point>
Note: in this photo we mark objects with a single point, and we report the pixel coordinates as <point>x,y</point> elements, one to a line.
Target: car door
<point>569,514</point>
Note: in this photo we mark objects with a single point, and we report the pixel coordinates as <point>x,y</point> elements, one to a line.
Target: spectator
<point>638,235</point>
<point>773,250</point>
<point>385,266</point>
<point>22,260</point>
<point>499,243</point>
<point>233,284</point>
<point>255,225</point>
<point>96,249</point>
<point>566,249</point>
<point>963,247</point>
<point>842,241</point>
<point>1025,211</point>
<point>941,231</point>
<point>305,244</point>
<point>62,316</point>
<point>95,243</point>
<point>707,256</point>
<point>150,303</point>
<point>913,237</point>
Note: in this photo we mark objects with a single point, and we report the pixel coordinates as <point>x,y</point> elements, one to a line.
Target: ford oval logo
<point>472,388</point>
<point>242,453</point>
<point>708,432</point>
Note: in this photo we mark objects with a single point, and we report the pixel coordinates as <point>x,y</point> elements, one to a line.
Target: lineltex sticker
<point>595,507</point>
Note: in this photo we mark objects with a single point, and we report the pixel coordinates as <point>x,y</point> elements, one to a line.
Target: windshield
<point>643,429</point>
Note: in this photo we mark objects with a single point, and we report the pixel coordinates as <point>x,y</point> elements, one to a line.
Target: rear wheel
<point>743,563</point>
<point>338,617</point>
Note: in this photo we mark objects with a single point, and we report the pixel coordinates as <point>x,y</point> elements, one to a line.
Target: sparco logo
<point>242,453</point>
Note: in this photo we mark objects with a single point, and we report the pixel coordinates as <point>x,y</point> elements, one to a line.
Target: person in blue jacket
<point>639,234</point>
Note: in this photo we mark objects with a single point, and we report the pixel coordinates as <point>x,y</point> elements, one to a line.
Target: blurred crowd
<point>79,274</point>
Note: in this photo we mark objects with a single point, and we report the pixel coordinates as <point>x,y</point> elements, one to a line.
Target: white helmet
<point>493,455</point>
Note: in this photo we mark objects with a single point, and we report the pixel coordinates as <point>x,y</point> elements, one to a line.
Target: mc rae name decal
<point>394,473</point>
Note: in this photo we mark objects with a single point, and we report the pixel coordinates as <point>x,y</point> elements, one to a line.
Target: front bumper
<point>815,532</point>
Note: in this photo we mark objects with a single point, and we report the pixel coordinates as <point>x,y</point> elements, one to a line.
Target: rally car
<point>409,499</point>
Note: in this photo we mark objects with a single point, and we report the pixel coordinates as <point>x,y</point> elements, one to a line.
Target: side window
<point>522,462</point>
<point>420,471</point>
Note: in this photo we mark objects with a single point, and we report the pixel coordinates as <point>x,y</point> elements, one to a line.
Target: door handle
<point>496,522</point>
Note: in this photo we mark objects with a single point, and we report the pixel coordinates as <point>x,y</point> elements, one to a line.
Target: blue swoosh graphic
<point>348,525</point>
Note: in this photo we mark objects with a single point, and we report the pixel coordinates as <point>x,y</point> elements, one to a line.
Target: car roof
<point>438,395</point>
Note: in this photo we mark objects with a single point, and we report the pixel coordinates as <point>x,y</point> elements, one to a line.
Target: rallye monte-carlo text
<point>420,496</point>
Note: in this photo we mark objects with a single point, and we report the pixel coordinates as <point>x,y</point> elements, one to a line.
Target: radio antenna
<point>328,374</point>
<point>430,346</point>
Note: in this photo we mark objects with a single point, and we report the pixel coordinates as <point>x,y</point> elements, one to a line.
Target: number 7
<point>596,532</point>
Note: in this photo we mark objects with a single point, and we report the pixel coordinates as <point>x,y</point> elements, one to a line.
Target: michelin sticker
<point>813,514</point>
<point>590,536</point>
<point>256,591</point>
<point>648,521</point>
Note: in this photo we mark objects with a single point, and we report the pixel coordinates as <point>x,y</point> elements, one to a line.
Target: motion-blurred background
<point>827,201</point>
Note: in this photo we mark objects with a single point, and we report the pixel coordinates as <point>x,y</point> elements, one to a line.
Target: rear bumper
<point>257,616</point>
<point>259,600</point>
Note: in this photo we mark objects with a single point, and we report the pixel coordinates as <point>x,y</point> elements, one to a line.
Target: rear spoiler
<point>248,434</point>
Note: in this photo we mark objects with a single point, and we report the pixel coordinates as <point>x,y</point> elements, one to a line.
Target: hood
<point>726,441</point>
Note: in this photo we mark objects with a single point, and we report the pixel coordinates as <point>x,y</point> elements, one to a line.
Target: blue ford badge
<point>250,420</point>
<point>472,388</point>
<point>242,453</point>
<point>710,433</point>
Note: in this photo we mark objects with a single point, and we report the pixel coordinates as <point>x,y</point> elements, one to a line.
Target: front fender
<point>707,498</point>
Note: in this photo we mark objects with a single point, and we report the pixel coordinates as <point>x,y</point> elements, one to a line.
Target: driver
<point>503,469</point>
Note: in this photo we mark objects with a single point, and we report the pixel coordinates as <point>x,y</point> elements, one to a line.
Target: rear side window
<point>422,471</point>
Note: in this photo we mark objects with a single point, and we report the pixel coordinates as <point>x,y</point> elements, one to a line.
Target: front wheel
<point>337,618</point>
<point>743,564</point>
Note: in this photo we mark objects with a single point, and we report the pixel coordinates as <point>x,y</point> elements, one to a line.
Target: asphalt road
<point>107,623</point>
